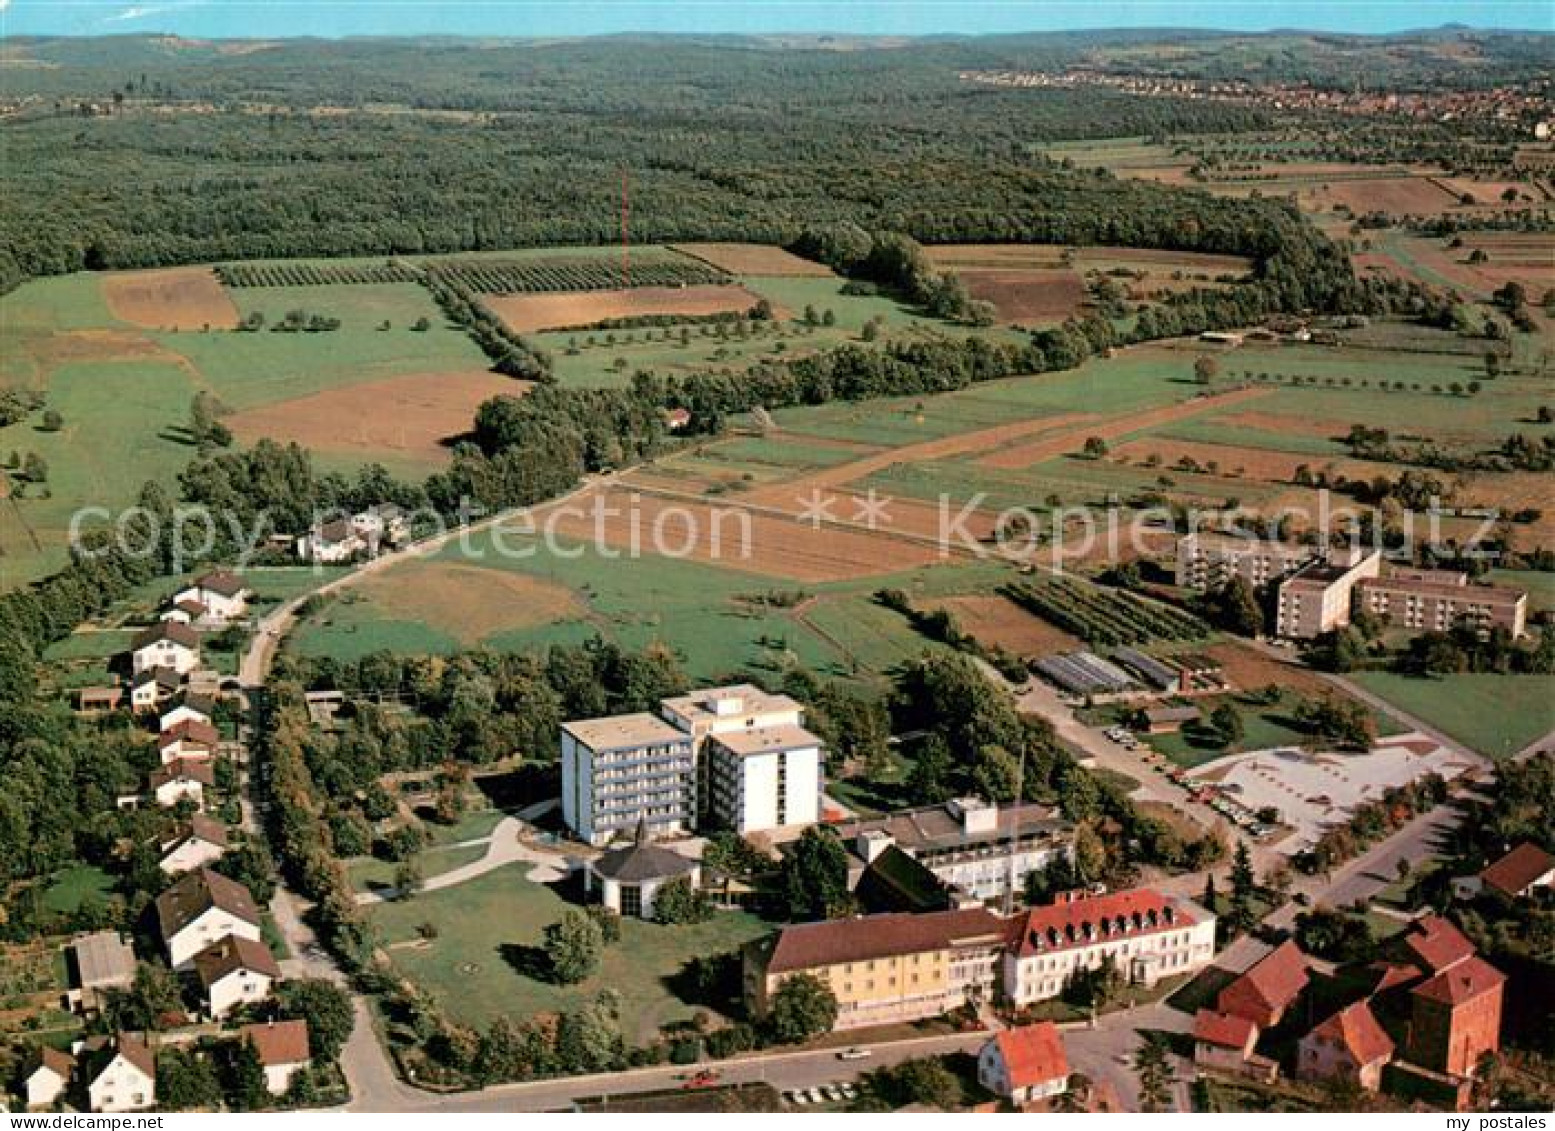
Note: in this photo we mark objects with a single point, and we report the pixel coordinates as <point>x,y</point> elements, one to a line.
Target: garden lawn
<point>1496,715</point>
<point>484,925</point>
<point>75,887</point>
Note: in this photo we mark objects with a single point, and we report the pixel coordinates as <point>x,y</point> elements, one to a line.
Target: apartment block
<point>1206,560</point>
<point>733,757</point>
<point>1317,598</point>
<point>626,769</point>
<point>1438,600</point>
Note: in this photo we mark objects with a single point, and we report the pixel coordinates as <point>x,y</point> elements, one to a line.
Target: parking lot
<point>1314,791</point>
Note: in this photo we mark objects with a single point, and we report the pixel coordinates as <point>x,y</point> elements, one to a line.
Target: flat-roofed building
<point>764,778</point>
<point>972,846</point>
<point>1438,600</point>
<point>1316,598</point>
<point>624,770</point>
<point>1206,560</point>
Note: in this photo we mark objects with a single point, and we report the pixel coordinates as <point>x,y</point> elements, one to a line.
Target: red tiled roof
<point>190,730</point>
<point>1391,975</point>
<point>1058,926</point>
<point>221,581</point>
<point>808,945</point>
<point>1355,1028</point>
<point>1464,981</point>
<point>1438,943</point>
<point>1033,1054</point>
<point>1223,1029</point>
<point>1518,868</point>
<point>181,769</point>
<point>61,1063</point>
<point>1276,979</point>
<point>279,1042</point>
<point>134,1051</point>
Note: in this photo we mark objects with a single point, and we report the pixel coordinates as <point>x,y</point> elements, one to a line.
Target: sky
<point>234,19</point>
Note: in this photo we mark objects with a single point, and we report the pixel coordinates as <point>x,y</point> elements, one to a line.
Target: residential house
<point>99,962</point>
<point>385,524</point>
<point>627,879</point>
<point>282,1047</point>
<point>1436,943</point>
<point>47,1080</point>
<point>203,841</point>
<point>330,543</point>
<point>187,708</point>
<point>191,739</point>
<point>99,700</point>
<point>884,968</point>
<point>1350,1046</point>
<point>222,594</point>
<point>167,644</point>
<point>153,687</point>
<point>1223,1042</point>
<point>200,909</point>
<point>122,1077</point>
<point>235,971</point>
<point>1025,1064</point>
<point>1149,936</point>
<point>1520,871</point>
<point>183,779</point>
<point>1268,988</point>
<point>979,848</point>
<point>187,611</point>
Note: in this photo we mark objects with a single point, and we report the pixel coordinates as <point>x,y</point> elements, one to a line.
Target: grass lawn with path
<point>490,930</point>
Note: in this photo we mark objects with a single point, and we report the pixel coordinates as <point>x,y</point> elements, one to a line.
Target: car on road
<point>704,1079</point>
<point>854,1053</point>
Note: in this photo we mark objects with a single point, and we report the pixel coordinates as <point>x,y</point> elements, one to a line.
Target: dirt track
<point>1071,439</point>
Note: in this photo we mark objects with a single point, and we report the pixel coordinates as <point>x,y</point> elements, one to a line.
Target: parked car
<point>854,1054</point>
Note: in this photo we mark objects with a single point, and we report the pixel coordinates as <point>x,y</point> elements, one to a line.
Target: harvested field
<point>1069,440</point>
<point>177,298</point>
<point>1417,195</point>
<point>469,602</point>
<point>957,443</point>
<point>1233,462</point>
<point>1038,257</point>
<point>729,535</point>
<point>753,259</point>
<point>1024,296</point>
<point>407,417</point>
<point>999,622</point>
<point>1286,422</point>
<point>564,310</point>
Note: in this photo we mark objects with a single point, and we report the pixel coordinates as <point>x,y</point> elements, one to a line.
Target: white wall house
<point>1024,1064</point>
<point>187,709</point>
<point>203,842</point>
<point>181,780</point>
<point>190,739</point>
<point>202,908</point>
<point>49,1078</point>
<point>166,645</point>
<point>235,971</point>
<point>222,594</point>
<point>126,1079</point>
